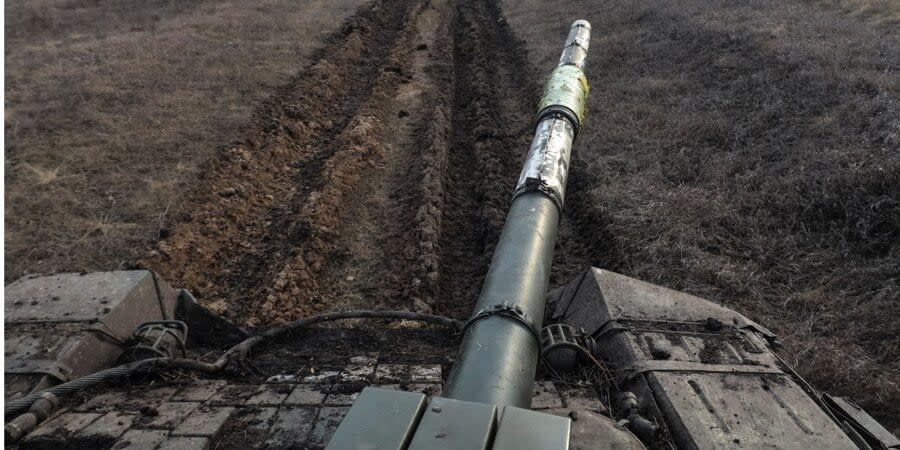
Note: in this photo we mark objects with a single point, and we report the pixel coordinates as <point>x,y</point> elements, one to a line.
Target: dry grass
<point>44,176</point>
<point>747,152</point>
<point>879,13</point>
<point>112,107</point>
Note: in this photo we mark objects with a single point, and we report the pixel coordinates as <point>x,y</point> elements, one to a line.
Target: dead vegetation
<point>878,13</point>
<point>112,107</point>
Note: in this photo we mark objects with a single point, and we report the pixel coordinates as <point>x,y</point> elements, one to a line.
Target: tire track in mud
<point>388,239</point>
<point>262,220</point>
<point>379,177</point>
<point>491,129</point>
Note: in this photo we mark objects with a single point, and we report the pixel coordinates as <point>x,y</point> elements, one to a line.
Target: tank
<point>603,362</point>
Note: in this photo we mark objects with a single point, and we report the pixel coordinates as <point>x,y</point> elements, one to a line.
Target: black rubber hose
<point>243,349</point>
<point>149,365</point>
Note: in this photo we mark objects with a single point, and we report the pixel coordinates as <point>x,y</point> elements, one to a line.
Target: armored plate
<point>526,429</point>
<point>867,427</point>
<point>380,419</point>
<point>743,411</point>
<point>73,297</point>
<point>451,424</point>
<point>388,419</point>
<point>597,296</point>
<point>69,325</point>
<point>702,370</point>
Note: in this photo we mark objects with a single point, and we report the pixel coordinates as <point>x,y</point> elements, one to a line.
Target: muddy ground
<point>745,152</point>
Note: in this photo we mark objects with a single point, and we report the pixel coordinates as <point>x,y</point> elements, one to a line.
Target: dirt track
<point>380,176</point>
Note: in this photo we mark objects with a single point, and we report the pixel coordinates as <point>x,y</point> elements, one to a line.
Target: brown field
<point>280,160</point>
<point>113,107</point>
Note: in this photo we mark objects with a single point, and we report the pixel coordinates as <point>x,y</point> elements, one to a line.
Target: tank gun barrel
<point>499,353</point>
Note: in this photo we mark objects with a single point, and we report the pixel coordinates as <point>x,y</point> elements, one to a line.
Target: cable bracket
<point>509,310</point>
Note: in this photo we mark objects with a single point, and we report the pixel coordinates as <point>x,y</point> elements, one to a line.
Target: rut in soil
<point>378,177</point>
